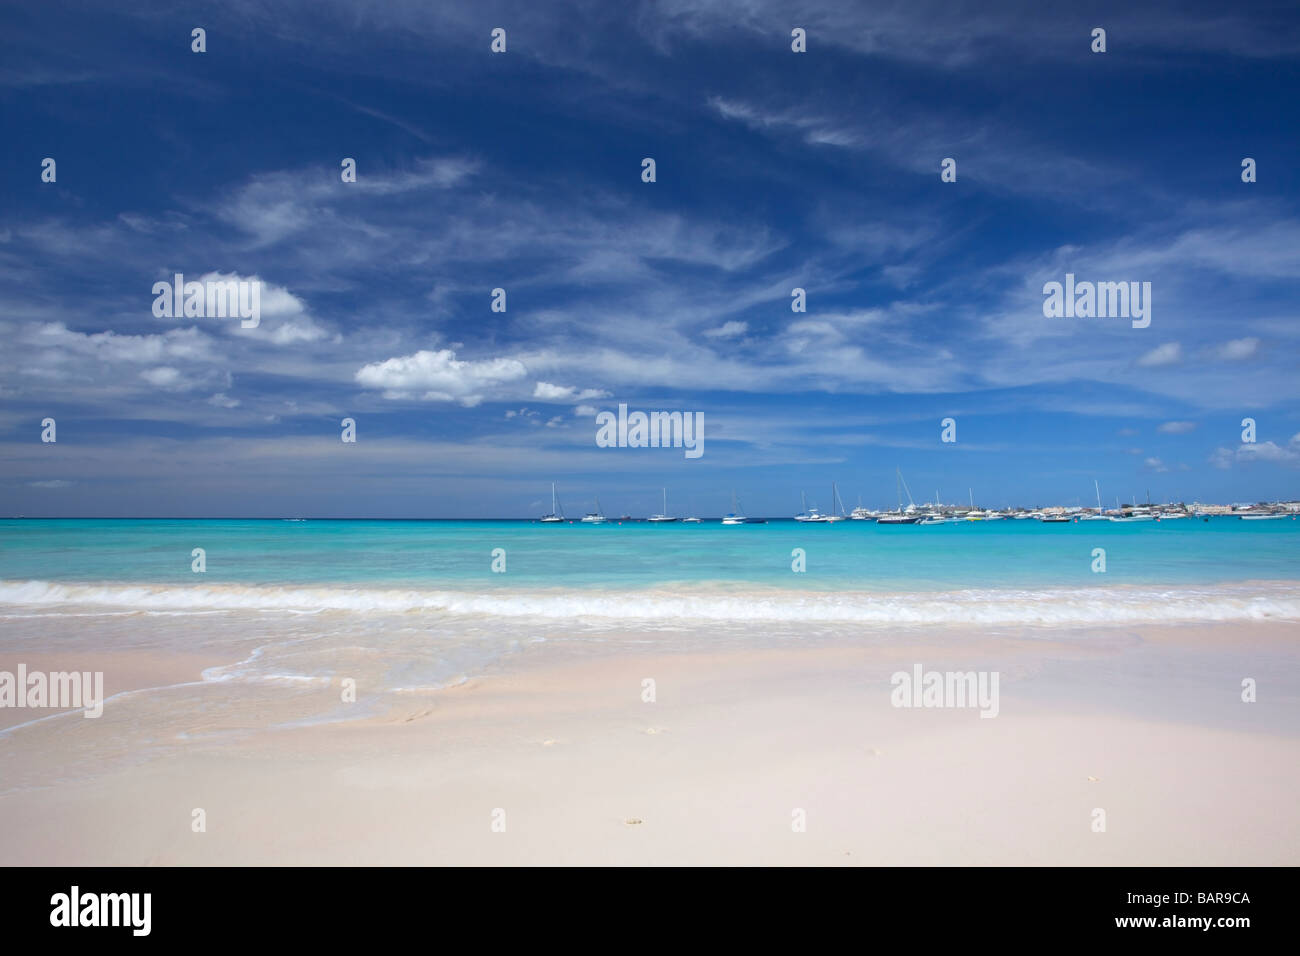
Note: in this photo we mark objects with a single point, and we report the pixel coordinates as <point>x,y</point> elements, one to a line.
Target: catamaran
<point>557,513</point>
<point>594,517</point>
<point>663,516</point>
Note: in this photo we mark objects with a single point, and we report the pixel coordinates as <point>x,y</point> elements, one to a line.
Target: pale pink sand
<point>122,670</point>
<point>713,770</point>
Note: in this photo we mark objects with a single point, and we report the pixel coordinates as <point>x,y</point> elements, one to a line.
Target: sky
<point>523,170</point>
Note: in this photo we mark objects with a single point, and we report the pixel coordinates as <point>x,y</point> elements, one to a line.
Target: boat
<point>663,516</point>
<point>1101,512</point>
<point>862,514</point>
<point>594,517</point>
<point>933,519</point>
<point>806,513</point>
<point>1266,516</point>
<point>734,516</point>
<point>691,520</point>
<point>557,513</point>
<point>1055,519</point>
<point>900,516</point>
<point>836,501</point>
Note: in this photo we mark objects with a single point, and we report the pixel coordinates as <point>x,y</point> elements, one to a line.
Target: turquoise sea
<point>636,554</point>
<point>291,608</point>
<point>981,571</point>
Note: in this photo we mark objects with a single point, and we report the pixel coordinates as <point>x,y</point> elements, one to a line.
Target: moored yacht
<point>901,516</point>
<point>733,516</point>
<point>594,517</point>
<point>557,513</point>
<point>836,502</point>
<point>1101,512</point>
<point>663,516</point>
<point>862,514</point>
<point>806,513</point>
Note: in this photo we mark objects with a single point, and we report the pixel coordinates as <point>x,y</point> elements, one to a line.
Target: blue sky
<point>522,171</point>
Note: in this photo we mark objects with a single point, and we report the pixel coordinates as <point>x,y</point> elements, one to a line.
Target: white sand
<point>713,770</point>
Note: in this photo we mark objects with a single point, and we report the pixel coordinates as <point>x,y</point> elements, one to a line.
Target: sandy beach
<point>554,757</point>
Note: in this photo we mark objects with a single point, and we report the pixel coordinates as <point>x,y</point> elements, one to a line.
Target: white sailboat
<point>557,513</point>
<point>836,502</point>
<point>663,516</point>
<point>594,517</point>
<point>900,516</point>
<point>804,514</point>
<point>734,516</point>
<point>1101,512</point>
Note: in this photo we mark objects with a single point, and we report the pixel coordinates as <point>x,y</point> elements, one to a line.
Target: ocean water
<point>857,554</point>
<point>398,565</point>
<point>287,610</point>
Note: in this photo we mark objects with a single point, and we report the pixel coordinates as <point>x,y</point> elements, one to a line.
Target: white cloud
<point>296,330</point>
<point>163,377</point>
<point>283,318</point>
<point>585,411</point>
<point>547,392</point>
<point>1257,451</point>
<point>1171,353</point>
<point>222,400</point>
<point>1154,464</point>
<point>727,330</point>
<point>1176,428</point>
<point>176,344</point>
<point>1238,349</point>
<point>54,483</point>
<point>439,376</point>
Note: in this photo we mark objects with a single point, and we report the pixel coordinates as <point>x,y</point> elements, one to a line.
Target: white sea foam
<point>1061,607</point>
